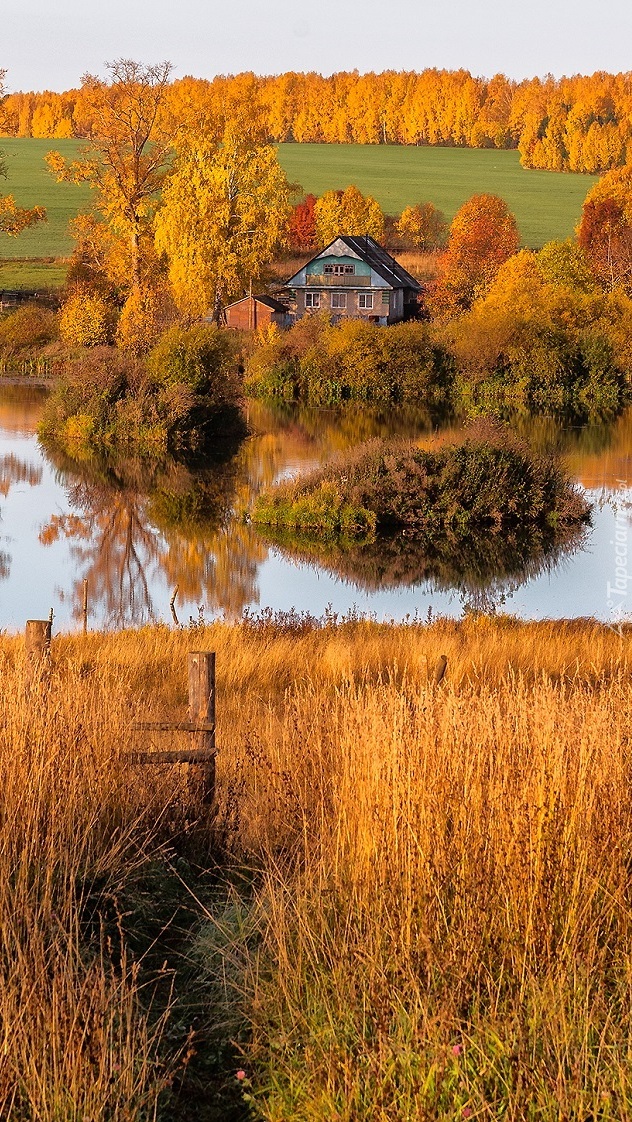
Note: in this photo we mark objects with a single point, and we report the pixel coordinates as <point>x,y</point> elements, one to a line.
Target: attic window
<point>339,270</point>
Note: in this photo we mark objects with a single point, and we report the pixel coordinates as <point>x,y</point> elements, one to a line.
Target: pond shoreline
<point>27,382</point>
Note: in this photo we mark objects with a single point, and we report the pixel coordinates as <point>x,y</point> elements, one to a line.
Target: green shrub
<point>149,405</point>
<point>351,361</point>
<point>201,358</point>
<point>488,479</point>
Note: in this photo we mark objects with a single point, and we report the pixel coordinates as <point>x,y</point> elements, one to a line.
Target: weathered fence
<point>200,725</point>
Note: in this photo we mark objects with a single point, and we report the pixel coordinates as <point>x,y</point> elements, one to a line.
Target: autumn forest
<point>580,123</point>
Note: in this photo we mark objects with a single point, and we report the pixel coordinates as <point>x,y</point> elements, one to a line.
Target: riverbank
<point>411,899</point>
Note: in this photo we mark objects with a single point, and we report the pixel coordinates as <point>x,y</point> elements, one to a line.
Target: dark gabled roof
<point>374,255</point>
<point>380,260</point>
<point>269,301</point>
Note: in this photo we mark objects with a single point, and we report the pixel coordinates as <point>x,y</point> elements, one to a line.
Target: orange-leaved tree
<point>126,158</point>
<point>605,229</point>
<point>483,235</point>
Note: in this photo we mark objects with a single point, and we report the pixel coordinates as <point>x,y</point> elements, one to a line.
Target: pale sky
<point>49,44</point>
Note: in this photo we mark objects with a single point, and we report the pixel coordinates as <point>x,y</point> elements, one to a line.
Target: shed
<point>253,311</point>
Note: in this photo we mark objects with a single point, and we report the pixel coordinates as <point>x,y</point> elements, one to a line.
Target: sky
<point>46,45</point>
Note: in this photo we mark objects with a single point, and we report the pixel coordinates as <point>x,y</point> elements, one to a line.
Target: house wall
<point>317,267</point>
<point>393,310</point>
<point>396,310</point>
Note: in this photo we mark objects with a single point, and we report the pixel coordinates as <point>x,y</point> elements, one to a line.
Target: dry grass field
<point>423,894</point>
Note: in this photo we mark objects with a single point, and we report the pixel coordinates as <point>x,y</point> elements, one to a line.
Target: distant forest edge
<point>578,124</point>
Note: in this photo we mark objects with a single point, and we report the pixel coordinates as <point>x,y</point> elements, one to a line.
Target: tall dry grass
<point>76,1040</point>
<point>445,899</point>
<point>437,923</point>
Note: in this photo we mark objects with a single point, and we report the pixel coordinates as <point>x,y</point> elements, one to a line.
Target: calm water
<point>135,533</point>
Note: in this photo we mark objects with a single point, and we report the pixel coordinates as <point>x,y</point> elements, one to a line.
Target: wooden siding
<point>249,314</point>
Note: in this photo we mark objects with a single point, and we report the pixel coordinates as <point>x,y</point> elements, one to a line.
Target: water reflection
<point>136,530</point>
<point>131,520</point>
<point>483,574</point>
<point>15,470</point>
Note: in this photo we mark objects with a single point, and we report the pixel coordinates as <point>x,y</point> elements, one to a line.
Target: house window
<point>386,297</point>
<point>365,300</point>
<point>339,299</point>
<point>339,270</point>
<point>312,299</point>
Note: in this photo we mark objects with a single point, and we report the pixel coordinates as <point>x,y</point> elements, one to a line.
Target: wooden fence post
<point>37,643</point>
<point>85,607</point>
<point>440,670</point>
<point>202,710</point>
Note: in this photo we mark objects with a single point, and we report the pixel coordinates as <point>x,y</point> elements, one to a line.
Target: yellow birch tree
<point>225,209</point>
<point>125,159</point>
<point>347,212</point>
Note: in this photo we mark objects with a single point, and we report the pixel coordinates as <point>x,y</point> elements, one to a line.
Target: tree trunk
<point>135,258</point>
<point>217,308</point>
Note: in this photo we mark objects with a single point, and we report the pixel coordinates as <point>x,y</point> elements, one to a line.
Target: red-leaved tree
<point>302,229</point>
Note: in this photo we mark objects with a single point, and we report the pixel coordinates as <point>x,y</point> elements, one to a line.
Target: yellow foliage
<point>347,212</point>
<point>224,212</point>
<point>141,320</point>
<point>126,159</point>
<point>422,226</point>
<point>14,219</point>
<point>86,320</point>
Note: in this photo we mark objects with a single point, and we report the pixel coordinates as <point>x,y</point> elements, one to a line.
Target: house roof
<point>369,251</point>
<point>378,258</point>
<point>269,301</point>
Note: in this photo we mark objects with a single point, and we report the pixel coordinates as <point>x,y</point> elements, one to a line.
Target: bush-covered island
<point>485,480</point>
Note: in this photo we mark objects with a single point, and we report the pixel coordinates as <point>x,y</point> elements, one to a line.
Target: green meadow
<point>546,204</point>
<point>30,182</point>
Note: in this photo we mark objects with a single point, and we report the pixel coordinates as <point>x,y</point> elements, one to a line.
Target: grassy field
<point>420,901</point>
<point>32,274</point>
<point>31,184</point>
<point>546,204</point>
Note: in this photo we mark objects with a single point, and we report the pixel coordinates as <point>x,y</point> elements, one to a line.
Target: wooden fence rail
<point>200,725</point>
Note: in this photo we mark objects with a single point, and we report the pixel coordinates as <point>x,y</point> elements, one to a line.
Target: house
<point>355,277</point>
<point>253,311</point>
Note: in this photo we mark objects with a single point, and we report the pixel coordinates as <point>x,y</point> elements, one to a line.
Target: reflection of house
<point>354,277</point>
<point>252,312</point>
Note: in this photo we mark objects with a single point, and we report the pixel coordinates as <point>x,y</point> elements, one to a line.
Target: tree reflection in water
<point>133,521</point>
<point>14,471</point>
<point>137,528</point>
<point>136,525</point>
<point>483,573</point>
